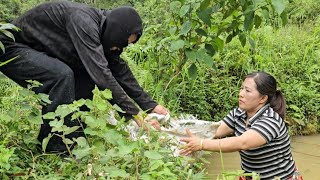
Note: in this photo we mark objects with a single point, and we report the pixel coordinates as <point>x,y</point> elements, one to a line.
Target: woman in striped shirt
<point>257,128</point>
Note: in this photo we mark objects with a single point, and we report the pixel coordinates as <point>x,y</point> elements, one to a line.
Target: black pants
<point>60,82</point>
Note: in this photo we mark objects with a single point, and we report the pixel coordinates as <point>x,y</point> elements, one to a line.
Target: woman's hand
<point>159,109</point>
<point>143,122</point>
<point>153,122</point>
<point>194,143</point>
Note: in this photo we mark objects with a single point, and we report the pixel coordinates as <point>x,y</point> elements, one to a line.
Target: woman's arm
<point>249,139</point>
<point>223,131</point>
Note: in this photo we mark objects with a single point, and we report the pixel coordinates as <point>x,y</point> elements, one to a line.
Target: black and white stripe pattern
<point>273,159</point>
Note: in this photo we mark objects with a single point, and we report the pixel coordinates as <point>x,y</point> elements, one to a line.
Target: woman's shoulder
<point>269,112</point>
<point>237,112</point>
<point>271,116</point>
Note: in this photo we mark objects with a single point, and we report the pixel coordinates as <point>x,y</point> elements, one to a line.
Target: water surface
<point>305,150</point>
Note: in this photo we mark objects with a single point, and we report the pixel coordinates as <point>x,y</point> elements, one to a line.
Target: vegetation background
<point>189,59</point>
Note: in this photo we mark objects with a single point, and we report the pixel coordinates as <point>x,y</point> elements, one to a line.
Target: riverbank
<point>305,150</point>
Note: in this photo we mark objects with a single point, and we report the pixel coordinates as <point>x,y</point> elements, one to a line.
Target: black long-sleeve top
<point>81,36</point>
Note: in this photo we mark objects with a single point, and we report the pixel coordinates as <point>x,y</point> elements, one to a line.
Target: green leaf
<point>34,83</point>
<point>229,38</point>
<point>192,71</point>
<point>174,5</point>
<point>79,102</point>
<point>35,118</point>
<point>70,130</point>
<point>126,149</point>
<point>186,27</point>
<point>279,6</point>
<point>81,153</point>
<point>101,105</point>
<point>207,59</point>
<point>166,172</point>
<point>26,106</point>
<point>8,26</point>
<point>184,10</point>
<point>49,115</point>
<point>191,55</point>
<point>205,16</point>
<point>265,12</point>
<point>146,176</point>
<point>5,155</point>
<point>248,21</point>
<point>76,115</point>
<point>219,43</point>
<point>228,13</point>
<point>67,141</point>
<point>107,94</point>
<point>243,2</point>
<point>156,164</point>
<point>173,30</point>
<point>210,49</point>
<point>5,118</point>
<point>113,136</point>
<point>117,108</point>
<point>216,8</point>
<point>175,45</point>
<point>257,21</point>
<point>90,121</point>
<point>44,98</point>
<point>45,142</point>
<point>284,18</point>
<point>201,32</point>
<point>56,123</point>
<point>8,34</point>
<point>153,155</point>
<point>2,48</point>
<point>204,4</point>
<point>257,2</point>
<point>82,142</point>
<point>294,107</point>
<point>115,172</point>
<point>249,9</point>
<point>243,39</point>
<point>204,57</point>
<point>90,131</point>
<point>62,111</point>
<point>25,92</point>
<point>252,43</point>
<point>89,104</point>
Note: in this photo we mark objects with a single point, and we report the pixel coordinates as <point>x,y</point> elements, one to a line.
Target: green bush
<point>303,11</point>
<point>9,9</point>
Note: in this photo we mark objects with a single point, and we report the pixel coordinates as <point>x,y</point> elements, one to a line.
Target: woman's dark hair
<point>267,85</point>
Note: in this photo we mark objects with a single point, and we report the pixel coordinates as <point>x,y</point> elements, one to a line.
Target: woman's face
<point>250,100</point>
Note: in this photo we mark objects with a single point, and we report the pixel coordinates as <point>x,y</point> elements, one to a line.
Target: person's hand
<point>143,122</point>
<point>153,122</point>
<point>194,143</point>
<point>159,109</point>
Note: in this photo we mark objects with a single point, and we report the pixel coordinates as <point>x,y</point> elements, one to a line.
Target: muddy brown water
<point>305,150</point>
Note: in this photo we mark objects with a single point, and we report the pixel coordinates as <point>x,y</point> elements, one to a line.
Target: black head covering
<point>120,24</point>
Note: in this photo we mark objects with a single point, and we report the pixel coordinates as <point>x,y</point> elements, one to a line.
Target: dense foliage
<point>191,58</point>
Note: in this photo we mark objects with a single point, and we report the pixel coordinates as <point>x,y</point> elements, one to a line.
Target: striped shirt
<point>274,159</point>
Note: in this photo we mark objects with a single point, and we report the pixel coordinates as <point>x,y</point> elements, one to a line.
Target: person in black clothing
<point>70,48</point>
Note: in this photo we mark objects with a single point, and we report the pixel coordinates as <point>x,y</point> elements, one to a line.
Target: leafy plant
<point>303,11</point>
<point>106,152</point>
<point>199,29</point>
<point>4,29</point>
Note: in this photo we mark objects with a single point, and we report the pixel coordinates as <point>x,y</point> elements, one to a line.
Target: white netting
<point>175,128</point>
